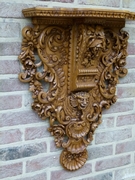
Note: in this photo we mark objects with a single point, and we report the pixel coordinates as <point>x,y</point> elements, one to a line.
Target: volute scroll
<point>82,55</point>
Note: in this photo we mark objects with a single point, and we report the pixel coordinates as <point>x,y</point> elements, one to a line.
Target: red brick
<point>110,3</point>
<point>129,78</point>
<point>42,163</point>
<point>129,4</point>
<point>107,122</point>
<point>28,100</point>
<point>125,120</point>
<point>111,136</point>
<point>127,146</point>
<point>53,147</point>
<point>112,163</point>
<point>131,49</point>
<point>128,172</point>
<point>13,9</point>
<point>131,32</point>
<point>130,62</point>
<point>124,92</point>
<point>102,151</point>
<point>36,132</point>
<point>18,118</point>
<point>10,48</point>
<point>62,174</point>
<point>63,1</point>
<point>10,136</point>
<point>9,67</point>
<point>130,22</point>
<point>42,176</point>
<point>10,170</point>
<point>9,29</point>
<point>26,150</point>
<point>106,176</point>
<point>8,85</point>
<point>120,107</point>
<point>10,102</point>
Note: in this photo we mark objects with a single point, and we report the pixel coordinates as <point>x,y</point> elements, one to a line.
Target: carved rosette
<point>82,64</point>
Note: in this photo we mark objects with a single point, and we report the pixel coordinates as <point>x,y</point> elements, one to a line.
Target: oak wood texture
<point>78,12</point>
<point>82,55</point>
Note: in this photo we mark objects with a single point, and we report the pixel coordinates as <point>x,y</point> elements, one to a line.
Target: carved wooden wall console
<point>82,55</point>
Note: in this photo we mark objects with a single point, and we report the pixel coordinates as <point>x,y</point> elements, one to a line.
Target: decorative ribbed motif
<point>82,62</point>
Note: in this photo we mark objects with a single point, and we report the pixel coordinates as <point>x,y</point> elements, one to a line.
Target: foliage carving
<point>82,64</point>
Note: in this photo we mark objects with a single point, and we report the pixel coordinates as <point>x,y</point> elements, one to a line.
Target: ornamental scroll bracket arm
<point>82,55</point>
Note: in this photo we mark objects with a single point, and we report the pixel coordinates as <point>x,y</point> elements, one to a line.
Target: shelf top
<point>78,12</point>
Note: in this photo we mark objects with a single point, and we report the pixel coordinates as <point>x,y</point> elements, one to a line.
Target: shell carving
<point>81,63</point>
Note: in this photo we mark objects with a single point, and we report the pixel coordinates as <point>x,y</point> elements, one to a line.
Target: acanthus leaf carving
<point>82,63</point>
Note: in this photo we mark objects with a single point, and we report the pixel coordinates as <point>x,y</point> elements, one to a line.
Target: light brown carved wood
<point>82,55</point>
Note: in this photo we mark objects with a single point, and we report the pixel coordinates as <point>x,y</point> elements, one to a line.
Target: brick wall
<point>27,151</point>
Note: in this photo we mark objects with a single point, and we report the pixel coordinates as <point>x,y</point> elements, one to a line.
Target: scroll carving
<point>82,63</point>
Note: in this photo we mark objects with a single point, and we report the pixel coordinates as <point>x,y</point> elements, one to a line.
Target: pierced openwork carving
<point>82,59</point>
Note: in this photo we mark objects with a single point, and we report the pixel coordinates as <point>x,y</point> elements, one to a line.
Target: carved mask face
<point>82,100</point>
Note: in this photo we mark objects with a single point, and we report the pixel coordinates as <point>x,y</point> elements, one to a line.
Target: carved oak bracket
<point>82,55</point>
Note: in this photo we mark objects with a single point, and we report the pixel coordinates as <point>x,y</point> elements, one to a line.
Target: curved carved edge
<point>74,161</point>
<point>93,58</point>
<point>78,12</point>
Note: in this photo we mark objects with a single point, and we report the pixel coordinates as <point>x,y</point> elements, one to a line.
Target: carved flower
<point>58,132</point>
<point>35,87</point>
<point>73,161</point>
